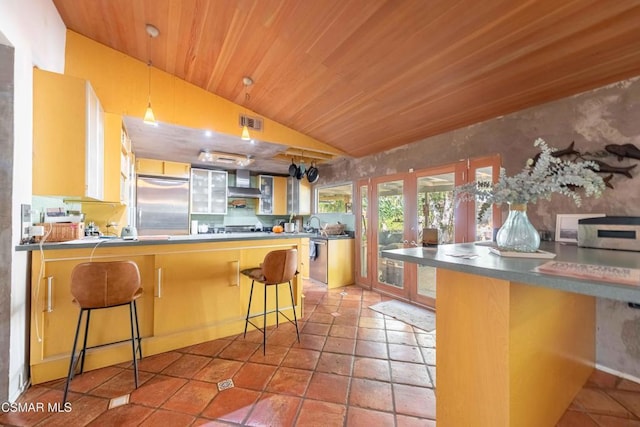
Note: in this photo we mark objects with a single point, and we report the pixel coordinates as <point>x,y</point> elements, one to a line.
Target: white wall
<point>36,32</point>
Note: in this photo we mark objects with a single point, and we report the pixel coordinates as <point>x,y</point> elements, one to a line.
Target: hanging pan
<point>302,169</point>
<point>312,174</point>
<point>293,169</point>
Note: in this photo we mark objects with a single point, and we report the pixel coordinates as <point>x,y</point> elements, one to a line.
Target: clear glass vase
<point>517,234</point>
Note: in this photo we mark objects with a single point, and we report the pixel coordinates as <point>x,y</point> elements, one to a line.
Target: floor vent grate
<point>225,384</point>
<point>118,401</point>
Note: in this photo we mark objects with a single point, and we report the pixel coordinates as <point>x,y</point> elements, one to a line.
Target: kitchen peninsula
<point>193,292</point>
<point>514,345</point>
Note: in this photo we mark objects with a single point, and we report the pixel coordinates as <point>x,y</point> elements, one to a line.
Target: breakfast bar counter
<point>193,292</point>
<point>515,345</point>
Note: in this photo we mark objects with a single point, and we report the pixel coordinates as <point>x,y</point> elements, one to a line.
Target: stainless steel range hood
<point>243,186</point>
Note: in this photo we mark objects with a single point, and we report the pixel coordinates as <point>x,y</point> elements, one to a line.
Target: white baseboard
<point>617,373</point>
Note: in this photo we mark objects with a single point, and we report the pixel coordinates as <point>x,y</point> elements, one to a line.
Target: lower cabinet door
<point>196,290</point>
<point>55,316</point>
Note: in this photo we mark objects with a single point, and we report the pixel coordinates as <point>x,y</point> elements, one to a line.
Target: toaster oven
<point>610,232</point>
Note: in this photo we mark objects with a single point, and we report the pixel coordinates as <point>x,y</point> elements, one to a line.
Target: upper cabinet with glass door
<point>335,198</point>
<point>273,200</point>
<point>208,191</point>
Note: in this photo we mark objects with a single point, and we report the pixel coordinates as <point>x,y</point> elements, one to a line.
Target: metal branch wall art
<point>620,151</point>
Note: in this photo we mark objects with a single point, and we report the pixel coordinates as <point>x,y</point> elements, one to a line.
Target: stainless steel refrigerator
<point>162,206</point>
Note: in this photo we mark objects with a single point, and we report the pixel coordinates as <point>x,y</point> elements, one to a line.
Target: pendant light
<point>246,81</point>
<point>149,117</point>
<point>245,134</point>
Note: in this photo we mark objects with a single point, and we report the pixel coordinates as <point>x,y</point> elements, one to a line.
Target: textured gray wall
<point>6,185</point>
<point>608,115</point>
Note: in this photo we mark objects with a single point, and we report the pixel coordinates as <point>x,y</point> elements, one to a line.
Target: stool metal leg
<point>73,353</point>
<point>277,308</point>
<point>84,345</point>
<point>246,322</point>
<point>264,324</point>
<point>133,345</point>
<point>135,311</point>
<point>293,305</point>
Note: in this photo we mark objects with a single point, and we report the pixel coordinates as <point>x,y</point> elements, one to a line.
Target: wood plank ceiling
<point>369,75</point>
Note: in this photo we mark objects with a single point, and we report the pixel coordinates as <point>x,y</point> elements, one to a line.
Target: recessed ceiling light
<point>208,133</point>
<point>152,30</point>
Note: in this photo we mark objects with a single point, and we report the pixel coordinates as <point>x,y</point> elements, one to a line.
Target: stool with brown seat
<point>278,267</point>
<point>99,285</point>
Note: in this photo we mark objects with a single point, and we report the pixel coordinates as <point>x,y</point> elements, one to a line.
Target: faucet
<point>319,222</point>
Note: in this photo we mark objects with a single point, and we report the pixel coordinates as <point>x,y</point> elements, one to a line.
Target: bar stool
<point>99,285</point>
<point>278,267</point>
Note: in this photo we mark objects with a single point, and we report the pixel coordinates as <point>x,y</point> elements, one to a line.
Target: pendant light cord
<point>149,81</point>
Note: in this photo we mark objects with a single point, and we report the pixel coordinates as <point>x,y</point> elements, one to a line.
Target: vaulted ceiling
<point>369,75</point>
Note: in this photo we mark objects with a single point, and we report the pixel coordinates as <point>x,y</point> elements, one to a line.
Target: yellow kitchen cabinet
<point>340,262</point>
<point>279,195</point>
<point>68,137</point>
<point>54,316</point>
<point>208,192</point>
<point>298,196</point>
<point>163,168</point>
<point>304,258</point>
<point>274,195</point>
<point>193,292</point>
<point>117,151</point>
<point>196,289</point>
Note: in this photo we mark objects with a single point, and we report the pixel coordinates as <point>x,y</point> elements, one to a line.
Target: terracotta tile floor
<point>353,367</point>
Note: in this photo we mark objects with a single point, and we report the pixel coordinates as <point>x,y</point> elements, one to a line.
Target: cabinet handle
<point>235,279</point>
<point>159,290</point>
<point>49,294</point>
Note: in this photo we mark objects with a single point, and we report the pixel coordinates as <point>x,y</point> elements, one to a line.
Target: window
<point>335,198</point>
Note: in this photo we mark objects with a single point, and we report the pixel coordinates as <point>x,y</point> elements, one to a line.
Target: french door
<point>392,229</point>
<point>409,209</point>
<point>363,233</point>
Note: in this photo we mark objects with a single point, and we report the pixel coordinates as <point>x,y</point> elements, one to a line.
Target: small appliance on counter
<point>610,232</point>
<point>55,215</point>
<point>92,229</point>
<point>129,233</point>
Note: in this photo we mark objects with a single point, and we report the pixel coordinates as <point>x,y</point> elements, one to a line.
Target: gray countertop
<point>91,242</point>
<point>476,259</point>
<point>331,237</point>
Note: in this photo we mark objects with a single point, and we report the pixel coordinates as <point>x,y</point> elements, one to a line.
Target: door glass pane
<point>484,227</point>
<point>364,204</point>
<point>390,231</point>
<point>436,207</point>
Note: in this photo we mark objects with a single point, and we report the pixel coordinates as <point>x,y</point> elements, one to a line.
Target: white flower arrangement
<point>540,178</point>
